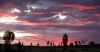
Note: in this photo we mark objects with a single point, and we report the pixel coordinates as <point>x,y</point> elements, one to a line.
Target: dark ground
<point>58,49</point>
<point>52,49</point>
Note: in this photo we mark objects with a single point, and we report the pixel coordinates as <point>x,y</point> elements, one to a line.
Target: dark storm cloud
<point>19,1</point>
<point>73,12</point>
<point>88,27</point>
<point>82,2</point>
<point>96,11</point>
<point>23,2</point>
<point>3,1</point>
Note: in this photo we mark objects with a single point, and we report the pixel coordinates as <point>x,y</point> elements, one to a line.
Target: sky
<point>39,21</point>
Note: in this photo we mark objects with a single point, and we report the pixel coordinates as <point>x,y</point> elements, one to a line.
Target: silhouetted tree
<point>51,44</point>
<point>83,42</point>
<point>58,44</point>
<point>8,38</point>
<point>76,43</point>
<point>19,46</point>
<point>48,42</point>
<point>79,43</point>
<point>22,43</point>
<point>38,44</point>
<point>71,45</point>
<point>31,44</point>
<point>61,43</point>
<point>65,41</point>
<point>91,43</point>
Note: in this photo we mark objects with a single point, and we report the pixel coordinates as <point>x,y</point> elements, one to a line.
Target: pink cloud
<point>82,22</point>
<point>80,7</point>
<point>97,15</point>
<point>39,13</point>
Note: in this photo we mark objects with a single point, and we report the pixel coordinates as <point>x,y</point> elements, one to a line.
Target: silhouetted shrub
<point>91,43</point>
<point>71,45</point>
<point>76,43</point>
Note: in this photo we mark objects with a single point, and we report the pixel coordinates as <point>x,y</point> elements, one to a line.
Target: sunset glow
<point>39,21</point>
<point>8,19</point>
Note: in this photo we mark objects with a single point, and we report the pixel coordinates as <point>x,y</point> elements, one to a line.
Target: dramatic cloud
<point>41,20</point>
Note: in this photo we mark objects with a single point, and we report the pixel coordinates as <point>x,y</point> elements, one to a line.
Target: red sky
<point>39,21</point>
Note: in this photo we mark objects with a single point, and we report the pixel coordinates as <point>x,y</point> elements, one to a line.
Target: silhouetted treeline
<point>9,36</point>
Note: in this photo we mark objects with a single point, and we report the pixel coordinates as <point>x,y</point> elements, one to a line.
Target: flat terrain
<point>53,49</point>
<point>61,50</point>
